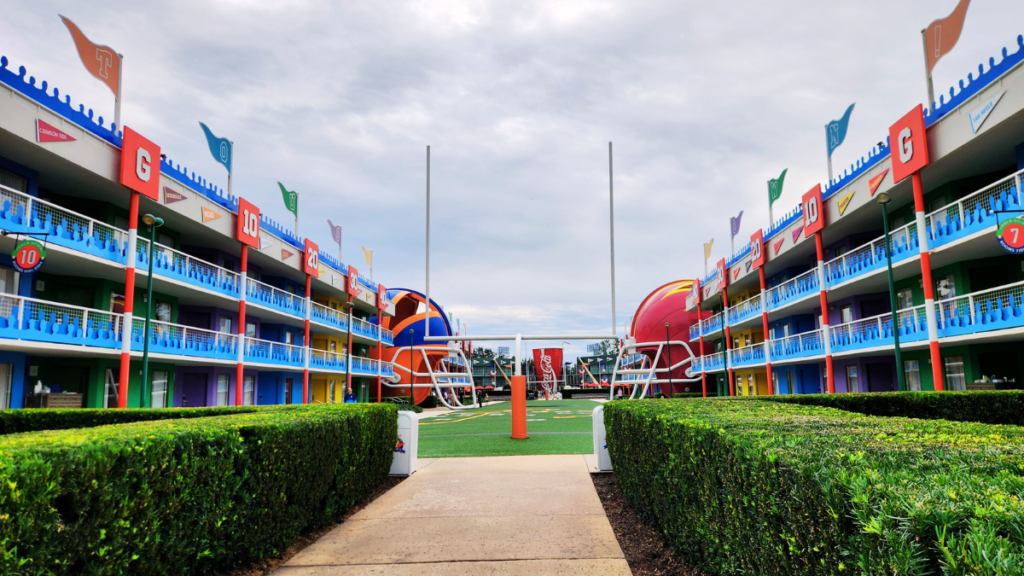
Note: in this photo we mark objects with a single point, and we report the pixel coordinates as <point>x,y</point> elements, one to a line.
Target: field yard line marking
<point>564,417</point>
<point>454,421</point>
<point>493,434</point>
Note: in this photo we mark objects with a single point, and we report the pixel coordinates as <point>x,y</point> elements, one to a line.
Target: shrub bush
<point>185,496</point>
<point>35,419</point>
<point>429,402</point>
<point>988,407</point>
<point>678,395</point>
<point>769,488</point>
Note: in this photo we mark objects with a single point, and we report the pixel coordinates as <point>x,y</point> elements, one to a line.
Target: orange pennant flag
<point>941,35</point>
<point>101,61</point>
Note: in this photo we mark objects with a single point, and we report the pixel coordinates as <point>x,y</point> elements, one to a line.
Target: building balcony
<point>747,310</point>
<point>708,327</point>
<point>803,287</point>
<point>799,346</point>
<point>750,355</point>
<point>274,299</point>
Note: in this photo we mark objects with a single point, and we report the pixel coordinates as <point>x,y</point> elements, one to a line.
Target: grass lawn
<point>554,427</point>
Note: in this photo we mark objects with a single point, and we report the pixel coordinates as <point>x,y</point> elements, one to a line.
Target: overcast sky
<point>704,101</point>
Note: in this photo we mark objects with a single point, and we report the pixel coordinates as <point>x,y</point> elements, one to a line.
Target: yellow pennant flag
<point>368,255</point>
<point>707,248</point>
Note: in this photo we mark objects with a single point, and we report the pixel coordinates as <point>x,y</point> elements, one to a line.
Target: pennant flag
<point>844,202</point>
<point>941,35</point>
<point>875,182</point>
<point>796,235</point>
<point>707,248</point>
<point>835,131</point>
<point>291,200</point>
<point>368,256</point>
<point>48,133</point>
<point>735,273</point>
<point>286,254</point>
<point>734,223</point>
<point>778,245</point>
<point>209,214</point>
<point>335,231</point>
<point>221,148</point>
<point>101,61</point>
<point>170,196</point>
<point>775,188</point>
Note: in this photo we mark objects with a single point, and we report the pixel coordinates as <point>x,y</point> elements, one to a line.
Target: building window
<point>846,314</point>
<point>248,390</point>
<point>912,371</point>
<point>223,381</point>
<point>290,289</point>
<point>225,325</point>
<point>110,389</point>
<point>163,312</point>
<point>945,288</point>
<point>117,303</point>
<point>840,250</point>
<point>8,281</point>
<point>956,380</point>
<point>852,385</point>
<point>905,299</point>
<point>121,222</point>
<point>791,382</point>
<point>6,371</point>
<point>165,240</point>
<point>289,337</point>
<point>252,274</point>
<point>750,385</point>
<point>330,393</point>
<point>228,265</point>
<point>898,223</point>
<point>775,383</point>
<point>334,346</point>
<point>12,180</point>
<point>250,329</point>
<point>158,390</point>
<point>739,385</point>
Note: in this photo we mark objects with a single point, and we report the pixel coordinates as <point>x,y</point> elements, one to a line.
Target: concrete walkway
<point>517,515</point>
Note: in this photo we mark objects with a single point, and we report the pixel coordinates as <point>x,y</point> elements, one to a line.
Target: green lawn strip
<point>497,424</point>
<point>753,487</point>
<point>464,446</point>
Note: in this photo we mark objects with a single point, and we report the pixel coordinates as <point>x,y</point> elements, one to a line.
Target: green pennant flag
<point>291,200</point>
<point>775,188</point>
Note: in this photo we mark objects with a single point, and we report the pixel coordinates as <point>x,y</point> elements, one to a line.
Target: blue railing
<point>274,298</point>
<point>166,338</point>
<point>329,316</point>
<point>975,212</point>
<point>803,345</point>
<point>745,310</point>
<point>267,352</point>
<point>188,269</point>
<point>792,290</point>
<point>746,356</point>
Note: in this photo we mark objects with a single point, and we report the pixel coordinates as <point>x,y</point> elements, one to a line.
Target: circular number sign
<point>1011,235</point>
<point>28,256</point>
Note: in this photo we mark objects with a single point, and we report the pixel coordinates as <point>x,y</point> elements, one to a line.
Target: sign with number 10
<point>1011,235</point>
<point>28,256</point>
<point>248,231</point>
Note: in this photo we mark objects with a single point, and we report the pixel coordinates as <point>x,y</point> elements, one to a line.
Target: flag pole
<point>829,158</point>
<point>232,161</point>
<point>371,265</point>
<point>927,73</point>
<point>341,231</point>
<point>611,227</point>
<point>296,215</point>
<point>117,101</point>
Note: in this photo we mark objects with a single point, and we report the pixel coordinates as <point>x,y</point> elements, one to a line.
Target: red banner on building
<point>548,364</point>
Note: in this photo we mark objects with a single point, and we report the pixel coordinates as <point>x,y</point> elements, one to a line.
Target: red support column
<point>825,336</point>
<point>380,347</point>
<point>703,368</point>
<point>929,286</point>
<point>240,365</point>
<point>305,370</point>
<point>348,347</point>
<point>764,327</point>
<point>129,301</point>
<point>728,336</point>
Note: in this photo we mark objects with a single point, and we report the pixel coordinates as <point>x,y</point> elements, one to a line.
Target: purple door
<point>193,391</point>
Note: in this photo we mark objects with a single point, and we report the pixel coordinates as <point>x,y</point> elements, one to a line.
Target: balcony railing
<point>267,352</point>
<point>871,256</point>
<point>167,338</point>
<point>993,309</point>
<point>797,346</point>
<point>387,336</point>
<point>877,330</point>
<point>364,329</point>
<point>974,212</point>
<point>171,263</point>
<point>712,362</point>
<point>792,290</point>
<point>694,331</point>
<point>364,366</point>
<point>329,316</point>
<point>326,360</point>
<point>746,356</point>
<point>711,325</point>
<point>274,298</point>
<point>23,213</point>
<point>744,310</point>
<point>42,321</point>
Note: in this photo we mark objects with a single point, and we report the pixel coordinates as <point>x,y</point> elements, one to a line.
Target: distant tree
<point>607,348</point>
<point>483,354</point>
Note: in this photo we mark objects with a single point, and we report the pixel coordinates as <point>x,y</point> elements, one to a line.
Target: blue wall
<point>18,378</point>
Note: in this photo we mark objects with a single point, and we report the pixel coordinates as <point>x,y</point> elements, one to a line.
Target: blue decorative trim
<point>975,86</point>
<point>738,256</point>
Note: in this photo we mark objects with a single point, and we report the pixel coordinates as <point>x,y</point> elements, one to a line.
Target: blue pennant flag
<point>221,148</point>
<point>835,131</point>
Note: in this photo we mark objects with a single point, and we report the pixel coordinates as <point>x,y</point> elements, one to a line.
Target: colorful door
<point>193,390</point>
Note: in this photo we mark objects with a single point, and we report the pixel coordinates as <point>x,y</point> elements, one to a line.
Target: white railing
<point>751,353</point>
<point>713,361</point>
<point>1005,191</point>
<point>745,310</point>
<point>798,287</point>
<point>972,307</point>
<point>326,359</point>
<point>711,324</point>
<point>266,295</point>
<point>875,327</point>
<point>18,204</point>
<point>364,364</point>
<point>186,339</point>
<point>797,345</point>
<point>364,328</point>
<point>386,335</point>
<point>170,262</point>
<point>265,351</point>
<point>36,319</point>
<point>328,315</point>
<point>870,254</point>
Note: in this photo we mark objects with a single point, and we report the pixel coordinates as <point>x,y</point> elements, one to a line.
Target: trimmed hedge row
<point>35,419</point>
<point>678,395</point>
<point>768,488</point>
<point>185,496</point>
<point>987,407</point>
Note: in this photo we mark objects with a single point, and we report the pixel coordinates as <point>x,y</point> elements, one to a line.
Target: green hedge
<point>751,487</point>
<point>678,395</point>
<point>36,419</point>
<point>185,496</point>
<point>988,407</point>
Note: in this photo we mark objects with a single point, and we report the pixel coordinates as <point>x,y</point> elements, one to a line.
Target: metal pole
<point>519,351</point>
<point>900,376</point>
<point>412,365</point>
<point>117,101</point>
<point>149,313</point>
<point>427,334</point>
<point>928,75</point>
<point>611,227</point>
<point>668,346</point>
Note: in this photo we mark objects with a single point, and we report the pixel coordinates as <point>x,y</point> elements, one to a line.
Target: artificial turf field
<point>562,427</point>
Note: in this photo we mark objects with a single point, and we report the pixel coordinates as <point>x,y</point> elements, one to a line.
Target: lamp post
<point>884,199</point>
<point>153,222</point>
<point>668,348</point>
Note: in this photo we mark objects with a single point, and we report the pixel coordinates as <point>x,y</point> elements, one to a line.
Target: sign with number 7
<point>311,260</point>
<point>248,230</point>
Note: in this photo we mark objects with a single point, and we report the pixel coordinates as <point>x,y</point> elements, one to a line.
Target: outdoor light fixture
<point>153,222</point>
<point>883,199</point>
